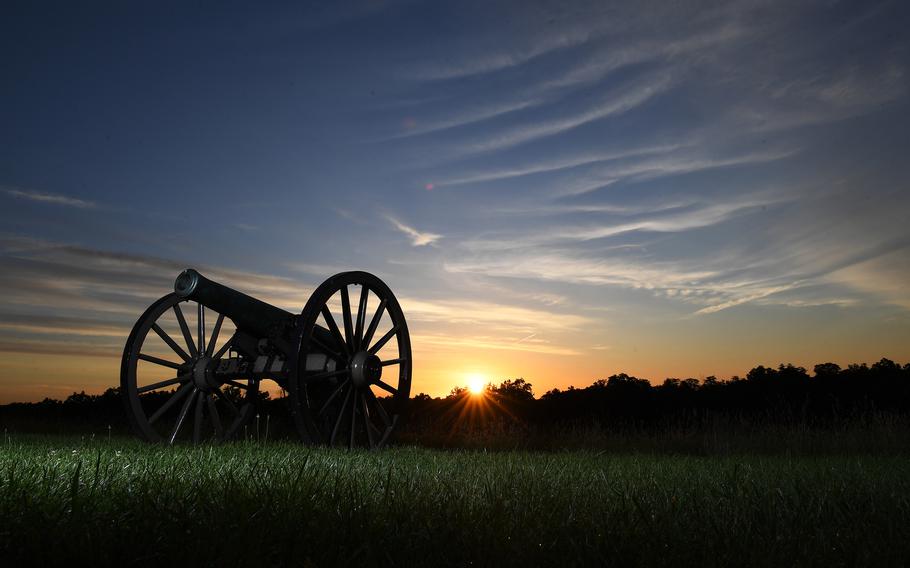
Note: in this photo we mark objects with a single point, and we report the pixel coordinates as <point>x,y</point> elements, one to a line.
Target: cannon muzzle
<point>253,316</point>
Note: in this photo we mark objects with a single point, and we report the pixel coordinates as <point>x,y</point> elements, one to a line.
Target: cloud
<point>602,61</point>
<point>66,299</point>
<point>715,287</point>
<point>884,276</point>
<point>564,266</point>
<point>846,91</point>
<point>481,59</point>
<point>466,343</point>
<point>459,324</point>
<point>465,117</point>
<point>703,216</point>
<point>53,324</point>
<point>324,270</point>
<point>801,262</point>
<point>664,166</point>
<point>610,58</point>
<point>418,239</point>
<point>50,198</point>
<point>554,165</point>
<point>63,347</point>
<point>491,315</point>
<point>672,217</point>
<point>616,103</point>
<point>747,298</point>
<point>72,281</point>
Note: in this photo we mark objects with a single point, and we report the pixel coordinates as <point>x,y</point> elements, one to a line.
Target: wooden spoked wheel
<point>357,398</point>
<point>181,386</point>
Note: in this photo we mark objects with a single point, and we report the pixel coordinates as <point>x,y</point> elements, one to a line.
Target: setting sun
<point>476,383</point>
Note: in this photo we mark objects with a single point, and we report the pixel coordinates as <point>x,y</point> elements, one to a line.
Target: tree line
<point>785,395</point>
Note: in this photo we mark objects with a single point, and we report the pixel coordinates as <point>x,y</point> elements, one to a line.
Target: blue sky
<point>558,191</point>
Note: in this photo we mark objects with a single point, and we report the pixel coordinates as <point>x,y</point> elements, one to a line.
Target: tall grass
<point>105,502</point>
<point>871,433</point>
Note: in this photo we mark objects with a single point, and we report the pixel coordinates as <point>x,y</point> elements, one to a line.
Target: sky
<point>558,191</point>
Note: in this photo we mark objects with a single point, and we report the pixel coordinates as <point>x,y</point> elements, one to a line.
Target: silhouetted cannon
<point>177,385</point>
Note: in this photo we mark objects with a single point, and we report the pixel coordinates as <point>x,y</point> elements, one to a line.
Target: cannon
<point>194,362</point>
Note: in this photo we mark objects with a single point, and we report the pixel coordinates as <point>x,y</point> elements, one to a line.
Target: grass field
<point>75,502</point>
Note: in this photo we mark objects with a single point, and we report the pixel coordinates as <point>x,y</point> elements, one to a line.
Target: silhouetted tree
<point>517,389</point>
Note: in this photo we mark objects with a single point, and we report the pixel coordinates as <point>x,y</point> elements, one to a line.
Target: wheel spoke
<point>340,415</point>
<point>197,422</point>
<point>214,339</point>
<point>394,361</point>
<point>200,325</point>
<point>333,327</point>
<point>361,316</point>
<point>366,419</point>
<point>238,385</point>
<point>183,412</point>
<point>378,404</point>
<point>216,418</point>
<point>158,385</point>
<point>332,396</point>
<point>327,375</point>
<point>224,348</point>
<point>383,340</point>
<point>170,402</point>
<point>185,329</point>
<point>325,348</point>
<point>374,323</point>
<point>170,342</point>
<point>227,400</point>
<point>346,313</point>
<point>158,361</point>
<point>387,387</point>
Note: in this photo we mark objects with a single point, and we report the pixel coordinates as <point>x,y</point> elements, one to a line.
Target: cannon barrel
<point>249,314</point>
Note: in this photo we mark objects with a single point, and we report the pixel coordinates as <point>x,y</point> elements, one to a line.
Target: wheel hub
<point>366,369</point>
<point>202,378</point>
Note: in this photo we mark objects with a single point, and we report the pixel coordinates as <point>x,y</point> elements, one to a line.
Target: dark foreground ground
<point>103,502</point>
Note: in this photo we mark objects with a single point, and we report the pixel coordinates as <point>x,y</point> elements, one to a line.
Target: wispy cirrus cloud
<point>496,343</point>
<point>712,289</point>
<point>563,266</point>
<point>803,268</point>
<point>554,165</point>
<point>49,198</point>
<point>40,272</point>
<point>651,168</point>
<point>479,59</point>
<point>615,103</point>
<point>603,61</point>
<point>465,117</point>
<point>842,93</point>
<point>672,217</point>
<point>418,238</point>
<point>607,59</point>
<point>491,315</point>
<point>704,216</point>
<point>97,295</point>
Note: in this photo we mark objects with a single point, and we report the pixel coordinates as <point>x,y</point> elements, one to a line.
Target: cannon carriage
<point>194,362</point>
